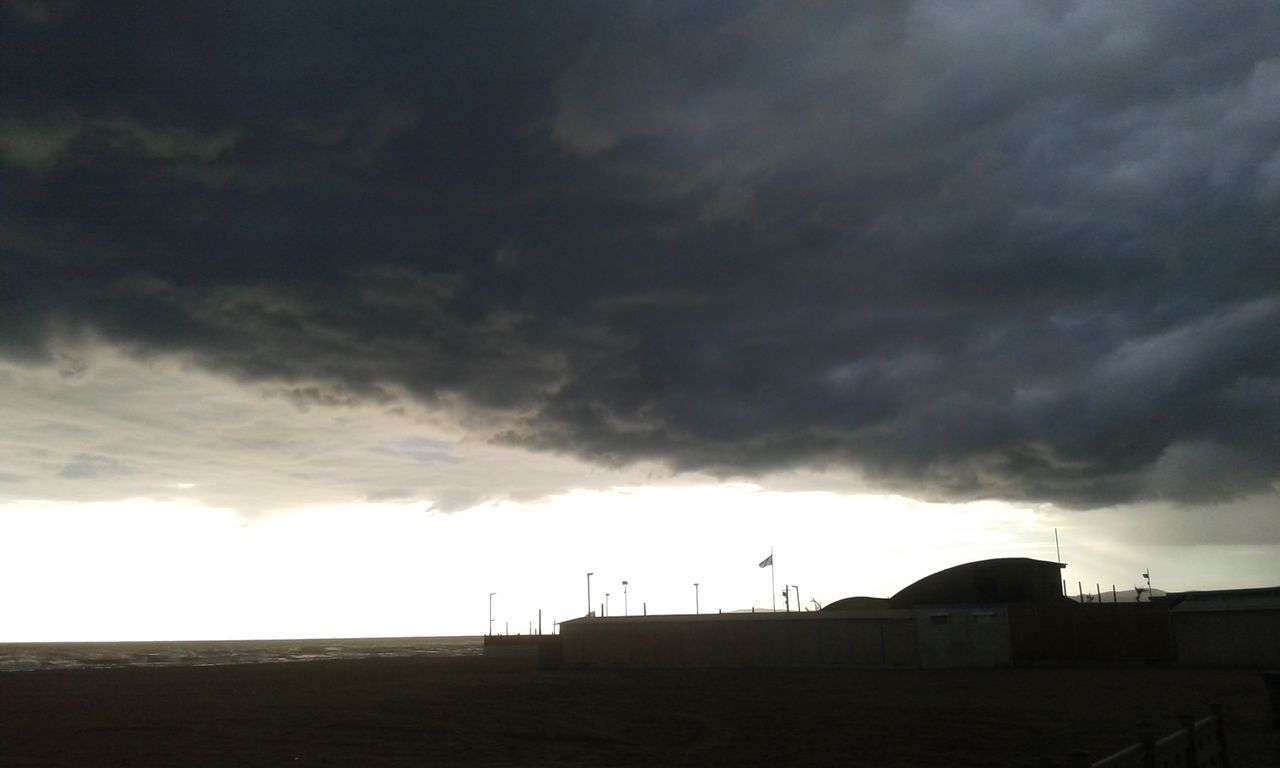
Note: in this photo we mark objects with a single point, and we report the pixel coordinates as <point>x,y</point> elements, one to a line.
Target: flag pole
<point>773,585</point>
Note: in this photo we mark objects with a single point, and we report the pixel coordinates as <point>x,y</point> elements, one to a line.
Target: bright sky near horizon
<point>333,318</point>
<point>139,569</point>
<point>193,547</point>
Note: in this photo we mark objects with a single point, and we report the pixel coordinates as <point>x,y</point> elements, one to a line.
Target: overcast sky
<point>853,264</point>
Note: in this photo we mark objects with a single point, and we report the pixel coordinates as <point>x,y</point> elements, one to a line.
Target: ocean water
<point>25,657</point>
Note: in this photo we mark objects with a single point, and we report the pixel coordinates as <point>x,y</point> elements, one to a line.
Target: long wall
<point>1110,632</point>
<point>881,639</point>
<point>1227,638</point>
<point>928,636</point>
<point>988,613</point>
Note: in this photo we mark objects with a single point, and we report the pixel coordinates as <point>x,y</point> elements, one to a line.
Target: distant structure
<point>1005,580</point>
<point>859,604</point>
<point>1005,611</point>
<point>985,582</point>
<point>962,616</point>
<point>1227,627</point>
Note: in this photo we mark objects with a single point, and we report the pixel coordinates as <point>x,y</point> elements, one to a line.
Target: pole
<point>1114,599</point>
<point>795,590</point>
<point>773,585</point>
<point>589,575</point>
<point>491,594</point>
<point>1098,586</point>
<point>1057,546</point>
<point>1080,586</point>
<point>626,608</point>
<point>697,608</point>
<point>539,621</point>
<point>606,603</point>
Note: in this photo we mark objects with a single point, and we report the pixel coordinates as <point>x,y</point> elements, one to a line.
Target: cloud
<point>88,466</point>
<point>998,250</point>
<point>1205,471</point>
<point>169,432</point>
<point>1246,521</point>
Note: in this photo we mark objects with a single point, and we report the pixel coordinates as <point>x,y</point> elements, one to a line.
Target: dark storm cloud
<point>1016,250</point>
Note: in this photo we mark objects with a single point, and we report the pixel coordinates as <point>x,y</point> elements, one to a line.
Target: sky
<point>331,319</point>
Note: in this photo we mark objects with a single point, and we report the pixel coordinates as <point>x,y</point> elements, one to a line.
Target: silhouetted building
<point>987,582</point>
<point>859,604</point>
<point>986,613</point>
<point>956,617</point>
<point>1227,627</point>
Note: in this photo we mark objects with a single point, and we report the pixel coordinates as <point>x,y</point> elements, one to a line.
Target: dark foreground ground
<point>427,712</point>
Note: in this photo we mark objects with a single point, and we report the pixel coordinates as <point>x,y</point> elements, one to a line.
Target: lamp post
<point>606,603</point>
<point>491,594</point>
<point>697,608</point>
<point>795,590</point>
<point>626,609</point>
<point>589,575</point>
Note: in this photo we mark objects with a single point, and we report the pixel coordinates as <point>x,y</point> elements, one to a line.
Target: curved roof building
<point>1002,580</point>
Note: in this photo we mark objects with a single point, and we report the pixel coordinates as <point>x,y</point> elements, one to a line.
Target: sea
<point>31,657</point>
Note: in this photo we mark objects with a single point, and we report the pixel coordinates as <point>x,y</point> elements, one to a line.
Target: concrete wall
<point>963,636</point>
<point>544,651</point>
<point>1227,638</point>
<point>888,639</point>
<point>1107,632</point>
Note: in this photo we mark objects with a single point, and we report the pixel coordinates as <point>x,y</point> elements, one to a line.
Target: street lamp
<point>491,594</point>
<point>696,606</point>
<point>589,575</point>
<point>626,609</point>
<point>795,590</point>
<point>606,603</point>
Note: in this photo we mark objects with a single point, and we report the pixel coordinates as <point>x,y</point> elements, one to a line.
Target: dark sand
<point>426,712</point>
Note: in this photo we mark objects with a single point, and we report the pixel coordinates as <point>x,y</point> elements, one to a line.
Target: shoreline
<point>24,657</point>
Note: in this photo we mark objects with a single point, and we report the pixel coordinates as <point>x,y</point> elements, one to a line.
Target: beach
<point>474,711</point>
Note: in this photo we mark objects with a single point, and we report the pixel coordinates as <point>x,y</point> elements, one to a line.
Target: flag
<point>768,561</point>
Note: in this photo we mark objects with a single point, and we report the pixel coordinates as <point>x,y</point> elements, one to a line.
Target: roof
<point>858,604</point>
<point>998,580</point>
<point>1217,600</point>
<point>727,618</point>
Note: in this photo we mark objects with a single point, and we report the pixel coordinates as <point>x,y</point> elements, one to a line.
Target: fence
<point>1197,744</point>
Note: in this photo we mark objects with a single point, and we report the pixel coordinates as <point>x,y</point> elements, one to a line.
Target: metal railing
<point>1197,744</point>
